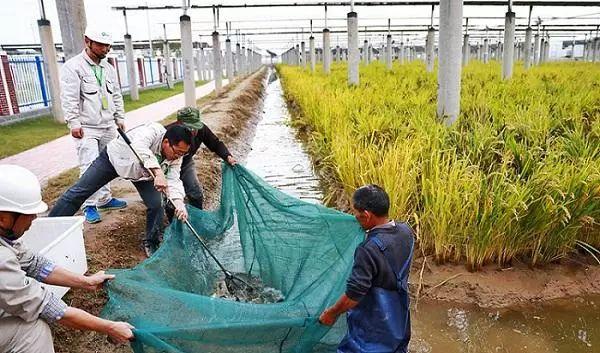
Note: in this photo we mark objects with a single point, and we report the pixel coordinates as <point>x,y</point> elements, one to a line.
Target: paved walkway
<point>54,157</point>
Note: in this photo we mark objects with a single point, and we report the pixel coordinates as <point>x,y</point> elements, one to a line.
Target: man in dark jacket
<point>190,117</point>
<point>376,296</point>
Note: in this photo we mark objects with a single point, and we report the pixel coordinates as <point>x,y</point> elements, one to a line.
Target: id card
<point>104,102</point>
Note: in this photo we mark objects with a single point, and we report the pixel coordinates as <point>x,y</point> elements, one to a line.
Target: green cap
<point>190,117</point>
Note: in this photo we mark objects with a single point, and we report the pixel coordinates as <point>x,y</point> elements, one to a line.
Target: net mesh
<point>300,248</point>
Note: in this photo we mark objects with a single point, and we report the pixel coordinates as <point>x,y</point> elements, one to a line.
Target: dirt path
<point>115,242</point>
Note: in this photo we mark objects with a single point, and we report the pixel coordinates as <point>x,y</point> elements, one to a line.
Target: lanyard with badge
<point>99,73</point>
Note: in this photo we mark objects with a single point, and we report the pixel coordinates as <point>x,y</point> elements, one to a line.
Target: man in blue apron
<point>376,296</point>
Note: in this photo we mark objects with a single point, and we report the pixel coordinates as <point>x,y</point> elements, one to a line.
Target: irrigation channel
<point>573,325</point>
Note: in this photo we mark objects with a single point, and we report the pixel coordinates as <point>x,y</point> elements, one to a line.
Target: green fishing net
<point>303,249</point>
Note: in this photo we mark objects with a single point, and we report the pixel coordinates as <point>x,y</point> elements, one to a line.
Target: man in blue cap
<point>376,296</point>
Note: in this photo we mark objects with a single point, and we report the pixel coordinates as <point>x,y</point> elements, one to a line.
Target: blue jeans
<point>99,173</point>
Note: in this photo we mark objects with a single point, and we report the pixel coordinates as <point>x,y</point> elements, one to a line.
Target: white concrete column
<point>326,52</point>
<point>189,83</point>
<point>297,54</point>
<point>448,105</point>
<point>217,68</point>
<point>243,60</point>
<point>199,72</point>
<point>388,52</point>
<point>249,61</point>
<point>596,50</point>
<point>312,55</point>
<point>131,74</point>
<point>509,45</point>
<point>429,45</point>
<point>528,37</point>
<point>366,52</point>
<point>168,64</point>
<point>338,52</point>
<point>228,60</point>
<point>547,49</point>
<point>401,54</point>
<point>51,69</point>
<point>72,21</point>
<point>486,51</point>
<point>536,49</point>
<point>303,54</point>
<point>466,50</point>
<point>238,59</point>
<point>353,54</point>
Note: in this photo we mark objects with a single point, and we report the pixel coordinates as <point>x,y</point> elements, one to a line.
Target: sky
<point>18,20</point>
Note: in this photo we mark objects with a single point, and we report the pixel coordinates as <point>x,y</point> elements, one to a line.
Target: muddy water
<point>563,326</point>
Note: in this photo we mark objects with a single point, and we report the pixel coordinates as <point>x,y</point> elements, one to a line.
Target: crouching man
<point>376,295</point>
<point>27,307</point>
<point>161,151</point>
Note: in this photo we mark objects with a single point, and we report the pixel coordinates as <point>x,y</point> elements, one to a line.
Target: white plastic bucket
<point>59,239</point>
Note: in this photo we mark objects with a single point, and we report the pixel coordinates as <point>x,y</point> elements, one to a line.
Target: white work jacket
<point>82,94</point>
<point>146,140</point>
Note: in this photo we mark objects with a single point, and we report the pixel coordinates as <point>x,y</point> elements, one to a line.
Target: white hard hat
<point>20,191</point>
<point>98,35</point>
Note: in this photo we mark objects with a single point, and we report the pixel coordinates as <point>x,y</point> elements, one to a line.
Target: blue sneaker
<point>91,214</point>
<point>113,204</point>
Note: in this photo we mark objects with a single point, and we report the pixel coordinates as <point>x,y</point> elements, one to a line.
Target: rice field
<point>516,177</point>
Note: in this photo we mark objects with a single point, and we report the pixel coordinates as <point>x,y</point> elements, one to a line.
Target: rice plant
<point>517,176</point>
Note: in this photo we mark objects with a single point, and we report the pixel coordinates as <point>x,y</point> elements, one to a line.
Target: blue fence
<point>29,77</point>
<point>32,90</point>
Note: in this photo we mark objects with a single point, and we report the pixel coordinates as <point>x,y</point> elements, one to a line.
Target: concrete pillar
<point>297,55</point>
<point>353,53</point>
<point>217,68</point>
<point>249,61</point>
<point>187,53</point>
<point>72,20</point>
<point>303,54</point>
<point>536,49</point>
<point>388,52</point>
<point>228,60</point>
<point>573,50</point>
<point>527,51</point>
<point>448,105</point>
<point>243,60</point>
<point>366,52</point>
<point>429,45</point>
<point>516,53</point>
<point>338,53</point>
<point>509,45</point>
<point>199,72</point>
<point>466,50</point>
<point>596,50</point>
<point>401,54</point>
<point>131,76</point>
<point>168,64</point>
<point>51,68</point>
<point>326,52</point>
<point>486,51</point>
<point>236,62</point>
<point>312,54</point>
<point>547,49</point>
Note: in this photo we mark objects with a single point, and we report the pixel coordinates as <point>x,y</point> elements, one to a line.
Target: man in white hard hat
<point>93,108</point>
<point>26,306</point>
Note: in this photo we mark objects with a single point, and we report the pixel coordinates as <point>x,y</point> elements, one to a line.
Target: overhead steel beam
<point>368,3</point>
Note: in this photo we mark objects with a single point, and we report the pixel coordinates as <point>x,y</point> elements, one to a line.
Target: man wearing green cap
<point>190,117</point>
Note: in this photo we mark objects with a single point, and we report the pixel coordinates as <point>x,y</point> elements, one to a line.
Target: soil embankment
<point>115,242</point>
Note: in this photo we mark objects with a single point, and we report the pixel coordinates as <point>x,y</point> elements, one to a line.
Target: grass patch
<point>19,137</point>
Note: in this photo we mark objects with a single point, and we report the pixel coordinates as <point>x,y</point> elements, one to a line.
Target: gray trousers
<point>88,149</point>
<point>19,336</point>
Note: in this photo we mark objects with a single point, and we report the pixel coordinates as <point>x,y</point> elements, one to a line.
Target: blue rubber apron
<point>380,323</point>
